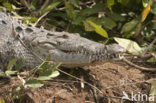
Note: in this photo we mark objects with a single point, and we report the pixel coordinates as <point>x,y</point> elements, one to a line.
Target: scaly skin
<point>69,49</point>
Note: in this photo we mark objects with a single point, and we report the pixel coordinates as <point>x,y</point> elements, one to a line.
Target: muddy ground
<point>107,83</point>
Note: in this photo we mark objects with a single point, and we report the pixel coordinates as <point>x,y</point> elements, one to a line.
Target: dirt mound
<point>112,79</point>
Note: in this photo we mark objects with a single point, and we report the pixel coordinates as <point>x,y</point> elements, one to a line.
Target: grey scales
<point>68,48</point>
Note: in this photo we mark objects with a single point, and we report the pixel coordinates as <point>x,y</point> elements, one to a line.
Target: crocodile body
<point>69,49</point>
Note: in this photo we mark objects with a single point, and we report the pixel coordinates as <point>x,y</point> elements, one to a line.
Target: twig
<point>80,80</point>
<point>45,4</point>
<point>136,66</point>
<point>154,55</point>
<point>39,19</point>
<point>25,4</point>
<point>152,43</point>
<point>18,36</point>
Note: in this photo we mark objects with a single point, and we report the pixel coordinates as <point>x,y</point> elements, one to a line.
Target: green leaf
<point>2,8</point>
<point>79,21</point>
<point>56,65</point>
<point>138,1</point>
<point>9,72</point>
<point>50,7</point>
<point>116,17</point>
<point>70,11</point>
<point>110,3</point>
<point>42,78</point>
<point>129,26</point>
<point>33,4</point>
<point>18,89</point>
<point>153,8</point>
<point>75,3</point>
<point>154,24</point>
<point>31,19</point>
<point>153,60</point>
<point>2,75</point>
<point>33,83</point>
<point>2,100</point>
<point>12,62</point>
<point>55,74</point>
<point>124,2</point>
<point>104,21</point>
<point>108,23</point>
<point>50,73</point>
<point>19,65</point>
<point>45,65</point>
<point>55,23</point>
<point>129,45</point>
<point>98,29</point>
<point>88,27</point>
<point>128,35</point>
<point>8,6</point>
<point>58,14</point>
<point>94,10</point>
<point>145,3</point>
<point>153,88</point>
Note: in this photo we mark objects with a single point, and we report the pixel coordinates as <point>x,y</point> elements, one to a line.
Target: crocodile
<point>70,49</point>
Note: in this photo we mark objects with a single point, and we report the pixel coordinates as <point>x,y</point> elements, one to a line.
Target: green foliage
<point>110,3</point>
<point>2,100</point>
<point>70,11</point>
<point>97,29</point>
<point>19,65</point>
<point>50,7</point>
<point>45,71</point>
<point>12,62</point>
<point>153,88</point>
<point>99,20</point>
<point>131,19</point>
<point>33,83</point>
<point>129,27</point>
<point>9,70</point>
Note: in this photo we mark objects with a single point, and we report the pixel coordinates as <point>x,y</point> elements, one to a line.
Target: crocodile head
<point>67,48</point>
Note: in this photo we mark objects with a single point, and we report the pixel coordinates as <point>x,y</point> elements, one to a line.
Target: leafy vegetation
<point>98,20</point>
<point>130,19</point>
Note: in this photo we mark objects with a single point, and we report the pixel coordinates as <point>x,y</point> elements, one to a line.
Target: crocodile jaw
<point>73,49</point>
<point>66,48</point>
